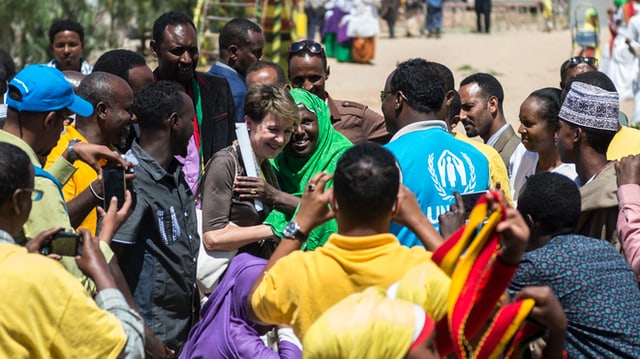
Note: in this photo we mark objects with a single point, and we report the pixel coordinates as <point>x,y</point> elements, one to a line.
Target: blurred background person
<point>314,9</point>
<point>389,13</point>
<point>7,72</point>
<point>66,43</point>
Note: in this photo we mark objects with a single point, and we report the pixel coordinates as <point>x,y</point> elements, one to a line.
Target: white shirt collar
<point>419,126</point>
<point>494,138</point>
<point>5,237</point>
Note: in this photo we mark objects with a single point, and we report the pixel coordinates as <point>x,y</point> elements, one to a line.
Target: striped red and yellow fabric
<point>478,281</point>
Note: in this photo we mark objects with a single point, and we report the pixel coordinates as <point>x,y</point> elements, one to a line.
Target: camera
<point>64,244</point>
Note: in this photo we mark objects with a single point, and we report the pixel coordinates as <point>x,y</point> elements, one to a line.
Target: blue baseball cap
<point>45,89</point>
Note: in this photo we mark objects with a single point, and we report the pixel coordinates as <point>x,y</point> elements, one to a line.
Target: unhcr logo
<point>449,173</point>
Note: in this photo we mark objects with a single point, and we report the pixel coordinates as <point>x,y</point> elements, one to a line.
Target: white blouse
<point>523,164</point>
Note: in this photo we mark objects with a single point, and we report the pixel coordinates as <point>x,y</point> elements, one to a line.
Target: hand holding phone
<point>64,244</point>
<point>113,185</point>
<point>470,199</point>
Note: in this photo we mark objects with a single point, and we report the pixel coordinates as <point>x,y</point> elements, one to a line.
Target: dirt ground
<point>523,60</point>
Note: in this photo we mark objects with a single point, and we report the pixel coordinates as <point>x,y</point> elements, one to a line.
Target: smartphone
<point>113,185</point>
<point>470,199</point>
<point>64,244</point>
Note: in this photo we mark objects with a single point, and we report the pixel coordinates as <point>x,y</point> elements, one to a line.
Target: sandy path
<point>522,60</point>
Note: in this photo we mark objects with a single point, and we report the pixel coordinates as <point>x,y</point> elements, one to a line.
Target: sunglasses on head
<point>311,46</point>
<point>591,61</point>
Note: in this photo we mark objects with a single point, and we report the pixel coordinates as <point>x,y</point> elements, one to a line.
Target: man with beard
<point>481,95</point>
<point>157,246</point>
<point>66,42</point>
<point>174,43</point>
<point>308,69</point>
<point>109,125</point>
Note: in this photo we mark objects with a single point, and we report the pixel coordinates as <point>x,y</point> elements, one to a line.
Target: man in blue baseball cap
<point>39,100</point>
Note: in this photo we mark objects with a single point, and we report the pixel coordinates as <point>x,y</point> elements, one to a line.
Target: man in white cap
<point>588,123</point>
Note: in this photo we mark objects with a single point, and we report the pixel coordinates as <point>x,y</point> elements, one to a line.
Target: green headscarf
<point>294,172</point>
<point>619,3</point>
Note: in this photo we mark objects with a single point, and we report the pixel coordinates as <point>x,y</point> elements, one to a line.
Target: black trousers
<point>483,7</point>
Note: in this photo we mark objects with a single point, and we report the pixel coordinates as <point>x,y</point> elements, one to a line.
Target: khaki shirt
<point>51,210</point>
<point>357,122</point>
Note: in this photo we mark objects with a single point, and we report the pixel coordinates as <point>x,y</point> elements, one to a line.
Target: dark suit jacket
<point>506,144</point>
<point>219,114</point>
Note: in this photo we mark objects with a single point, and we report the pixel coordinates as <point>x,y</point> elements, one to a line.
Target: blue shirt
<point>434,164</point>
<point>598,292</point>
<point>236,83</point>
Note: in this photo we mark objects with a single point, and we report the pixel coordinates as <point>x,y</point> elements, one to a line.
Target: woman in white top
<point>538,151</point>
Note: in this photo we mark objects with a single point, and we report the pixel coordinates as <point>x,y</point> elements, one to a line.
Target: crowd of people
<point>261,217</point>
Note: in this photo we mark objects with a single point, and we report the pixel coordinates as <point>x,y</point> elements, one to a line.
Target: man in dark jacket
<point>175,45</point>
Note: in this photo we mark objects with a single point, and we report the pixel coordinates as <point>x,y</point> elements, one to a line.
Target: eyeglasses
<point>312,46</point>
<point>36,194</point>
<point>384,94</point>
<point>576,60</point>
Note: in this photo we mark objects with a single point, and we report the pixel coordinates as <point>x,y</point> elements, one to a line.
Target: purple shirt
<point>191,165</point>
<point>224,331</point>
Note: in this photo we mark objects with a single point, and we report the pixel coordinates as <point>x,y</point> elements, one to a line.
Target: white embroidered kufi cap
<point>591,106</point>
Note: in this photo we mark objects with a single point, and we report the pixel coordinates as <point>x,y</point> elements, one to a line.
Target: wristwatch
<point>292,230</point>
<point>72,154</point>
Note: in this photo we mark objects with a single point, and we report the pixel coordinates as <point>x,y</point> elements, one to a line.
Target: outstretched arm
<point>628,227</point>
<point>314,210</point>
<point>548,313</point>
<point>409,214</point>
<point>93,264</point>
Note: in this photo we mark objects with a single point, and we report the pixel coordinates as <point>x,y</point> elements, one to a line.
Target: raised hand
<point>314,206</point>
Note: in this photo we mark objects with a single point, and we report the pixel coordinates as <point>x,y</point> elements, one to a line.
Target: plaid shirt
<point>85,68</point>
<point>6,238</point>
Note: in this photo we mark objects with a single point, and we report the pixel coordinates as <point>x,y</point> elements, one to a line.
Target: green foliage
<point>25,23</point>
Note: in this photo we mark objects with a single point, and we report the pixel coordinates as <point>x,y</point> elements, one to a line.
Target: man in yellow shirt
<point>297,288</point>
<point>46,311</point>
<point>109,125</point>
